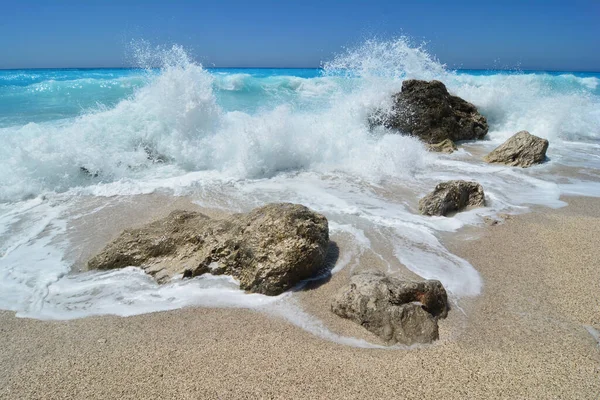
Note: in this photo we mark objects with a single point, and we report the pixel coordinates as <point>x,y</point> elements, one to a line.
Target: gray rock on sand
<point>445,146</point>
<point>520,150</point>
<point>452,196</point>
<point>398,311</point>
<point>269,250</point>
<point>426,110</point>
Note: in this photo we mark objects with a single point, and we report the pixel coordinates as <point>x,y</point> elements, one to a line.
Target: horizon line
<point>320,67</point>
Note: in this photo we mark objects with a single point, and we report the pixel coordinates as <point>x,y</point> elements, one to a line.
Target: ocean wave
<point>189,131</point>
<point>276,86</point>
<point>554,107</point>
<point>177,118</point>
<point>30,77</point>
<point>81,84</point>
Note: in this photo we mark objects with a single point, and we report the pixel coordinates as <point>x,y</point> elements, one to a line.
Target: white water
<point>309,143</point>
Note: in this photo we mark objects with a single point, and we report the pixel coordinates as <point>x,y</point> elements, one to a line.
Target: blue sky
<point>558,35</point>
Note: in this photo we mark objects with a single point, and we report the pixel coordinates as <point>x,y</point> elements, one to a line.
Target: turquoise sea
<point>74,142</point>
<point>39,95</point>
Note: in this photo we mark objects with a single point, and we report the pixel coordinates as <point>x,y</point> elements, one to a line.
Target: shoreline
<point>524,336</point>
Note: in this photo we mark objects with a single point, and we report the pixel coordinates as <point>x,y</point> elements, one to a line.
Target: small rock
<point>446,146</point>
<point>490,221</point>
<point>452,196</point>
<point>398,311</point>
<point>521,150</point>
<point>500,218</point>
<point>505,217</point>
<point>87,172</point>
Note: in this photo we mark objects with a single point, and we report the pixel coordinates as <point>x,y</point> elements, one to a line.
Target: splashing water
<point>391,60</point>
<point>235,139</point>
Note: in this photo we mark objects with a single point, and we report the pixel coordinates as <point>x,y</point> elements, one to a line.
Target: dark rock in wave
<point>426,110</point>
<point>268,250</point>
<point>88,173</point>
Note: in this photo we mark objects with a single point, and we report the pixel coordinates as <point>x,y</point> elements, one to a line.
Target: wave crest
<point>244,126</point>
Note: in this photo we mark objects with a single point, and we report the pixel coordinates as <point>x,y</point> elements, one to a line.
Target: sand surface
<point>529,335</point>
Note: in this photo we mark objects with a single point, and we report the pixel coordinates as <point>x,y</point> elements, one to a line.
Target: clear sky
<point>559,35</point>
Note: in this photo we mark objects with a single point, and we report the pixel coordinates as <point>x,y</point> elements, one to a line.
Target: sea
<point>74,142</point>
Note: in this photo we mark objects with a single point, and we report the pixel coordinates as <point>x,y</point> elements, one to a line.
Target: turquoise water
<point>38,95</point>
<point>75,142</point>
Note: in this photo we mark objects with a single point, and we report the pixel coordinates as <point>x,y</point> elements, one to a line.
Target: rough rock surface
<point>520,150</point>
<point>446,146</point>
<point>426,110</point>
<point>397,311</point>
<point>452,196</point>
<point>268,250</point>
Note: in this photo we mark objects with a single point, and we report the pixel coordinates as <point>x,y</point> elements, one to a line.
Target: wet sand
<point>529,335</point>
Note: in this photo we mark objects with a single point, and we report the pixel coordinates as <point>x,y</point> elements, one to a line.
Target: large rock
<point>426,110</point>
<point>521,150</point>
<point>398,311</point>
<point>452,196</point>
<point>268,250</point>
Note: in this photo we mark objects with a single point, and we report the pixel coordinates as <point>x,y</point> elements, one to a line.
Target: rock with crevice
<point>452,196</point>
<point>446,146</point>
<point>426,110</point>
<point>269,250</point>
<point>396,310</point>
<point>521,150</point>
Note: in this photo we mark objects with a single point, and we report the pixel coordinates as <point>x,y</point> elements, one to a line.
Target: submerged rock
<point>268,250</point>
<point>426,110</point>
<point>452,196</point>
<point>446,146</point>
<point>520,150</point>
<point>88,173</point>
<point>153,155</point>
<point>398,311</point>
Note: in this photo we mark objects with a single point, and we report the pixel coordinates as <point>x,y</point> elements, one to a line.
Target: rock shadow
<point>324,274</point>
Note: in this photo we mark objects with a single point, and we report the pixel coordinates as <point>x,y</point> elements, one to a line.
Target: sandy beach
<point>529,335</point>
<point>299,200</point>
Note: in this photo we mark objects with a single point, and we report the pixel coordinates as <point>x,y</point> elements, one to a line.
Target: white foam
<point>130,291</point>
<point>547,106</point>
<point>293,313</point>
<point>31,262</point>
<point>232,82</point>
<point>581,188</point>
<point>174,136</point>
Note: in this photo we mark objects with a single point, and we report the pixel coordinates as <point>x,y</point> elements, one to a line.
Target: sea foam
<point>234,140</point>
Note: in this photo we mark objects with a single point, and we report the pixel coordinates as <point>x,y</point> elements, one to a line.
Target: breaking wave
<point>235,139</point>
